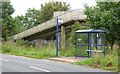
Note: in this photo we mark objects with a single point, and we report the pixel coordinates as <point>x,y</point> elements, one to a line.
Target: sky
<point>21,6</point>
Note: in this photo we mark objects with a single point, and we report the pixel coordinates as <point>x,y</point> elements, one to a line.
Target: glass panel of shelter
<point>82,38</point>
<point>97,41</point>
<point>82,44</point>
<point>97,38</point>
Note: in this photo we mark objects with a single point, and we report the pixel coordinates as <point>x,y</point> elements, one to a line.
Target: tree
<point>19,25</point>
<point>76,26</point>
<point>105,16</point>
<point>31,18</point>
<point>35,17</point>
<point>47,10</point>
<point>7,21</point>
<point>10,26</point>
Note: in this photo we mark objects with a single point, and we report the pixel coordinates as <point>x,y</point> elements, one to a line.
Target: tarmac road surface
<point>11,63</point>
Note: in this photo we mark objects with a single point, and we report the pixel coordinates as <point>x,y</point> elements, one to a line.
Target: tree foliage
<point>18,24</point>
<point>7,21</point>
<point>105,16</point>
<point>47,10</point>
<point>76,26</point>
<point>35,17</point>
<point>10,25</point>
<point>31,18</point>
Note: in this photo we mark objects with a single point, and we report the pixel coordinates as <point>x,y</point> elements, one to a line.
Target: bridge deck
<point>67,17</point>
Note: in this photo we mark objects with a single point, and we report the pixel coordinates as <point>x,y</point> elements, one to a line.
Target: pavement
<point>67,59</point>
<point>12,63</point>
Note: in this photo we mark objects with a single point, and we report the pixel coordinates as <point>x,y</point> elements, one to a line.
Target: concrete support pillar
<point>59,39</point>
<point>38,42</point>
<point>63,36</point>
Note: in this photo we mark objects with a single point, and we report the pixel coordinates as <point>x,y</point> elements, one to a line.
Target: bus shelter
<point>88,42</point>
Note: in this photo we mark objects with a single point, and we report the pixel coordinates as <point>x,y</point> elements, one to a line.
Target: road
<point>11,63</point>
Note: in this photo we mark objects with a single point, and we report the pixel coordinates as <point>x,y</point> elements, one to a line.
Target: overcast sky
<point>21,6</point>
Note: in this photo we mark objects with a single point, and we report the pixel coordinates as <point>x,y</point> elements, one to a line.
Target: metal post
<point>104,44</point>
<point>96,41</point>
<point>57,41</point>
<point>88,45</point>
<point>75,45</point>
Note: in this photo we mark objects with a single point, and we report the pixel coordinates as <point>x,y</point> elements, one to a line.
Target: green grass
<point>67,51</point>
<point>99,61</point>
<point>110,68</point>
<point>35,52</point>
<point>118,71</point>
<point>86,62</point>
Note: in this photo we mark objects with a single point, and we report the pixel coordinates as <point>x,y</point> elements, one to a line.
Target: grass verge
<point>109,62</point>
<point>44,51</point>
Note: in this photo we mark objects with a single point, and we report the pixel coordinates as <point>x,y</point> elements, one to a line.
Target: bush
<point>21,42</point>
<point>7,47</point>
<point>106,60</point>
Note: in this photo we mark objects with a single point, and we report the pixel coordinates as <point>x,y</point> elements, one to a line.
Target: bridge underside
<point>48,32</point>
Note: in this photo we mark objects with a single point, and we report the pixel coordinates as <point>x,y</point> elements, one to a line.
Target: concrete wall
<point>58,13</point>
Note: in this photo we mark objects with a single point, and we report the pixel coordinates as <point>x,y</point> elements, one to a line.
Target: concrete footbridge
<point>49,27</point>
